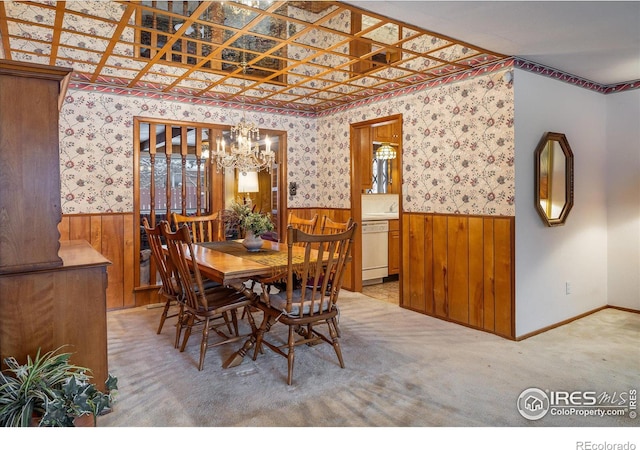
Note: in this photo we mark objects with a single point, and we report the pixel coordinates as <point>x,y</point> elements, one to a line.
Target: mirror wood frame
<point>561,139</point>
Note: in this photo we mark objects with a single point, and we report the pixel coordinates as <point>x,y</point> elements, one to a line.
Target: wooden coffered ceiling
<point>306,56</point>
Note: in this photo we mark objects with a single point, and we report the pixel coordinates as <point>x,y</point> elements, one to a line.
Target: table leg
<point>238,356</point>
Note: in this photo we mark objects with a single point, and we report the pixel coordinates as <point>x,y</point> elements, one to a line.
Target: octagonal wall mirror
<point>554,178</point>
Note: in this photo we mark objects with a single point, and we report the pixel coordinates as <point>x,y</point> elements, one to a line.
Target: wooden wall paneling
<point>113,249</point>
<point>112,235</point>
<point>476,272</point>
<point>489,296</point>
<point>80,229</point>
<point>415,271</point>
<point>429,303</point>
<point>405,280</point>
<point>440,286</point>
<point>63,228</point>
<point>504,277</point>
<point>458,268</point>
<point>96,235</point>
<point>129,299</point>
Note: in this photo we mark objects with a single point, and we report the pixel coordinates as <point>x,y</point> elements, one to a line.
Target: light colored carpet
<point>402,369</point>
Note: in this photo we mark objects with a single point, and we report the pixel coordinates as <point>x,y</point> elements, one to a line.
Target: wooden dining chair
<point>328,226</point>
<point>207,228</point>
<point>304,306</point>
<point>207,309</point>
<point>170,289</point>
<point>304,225</point>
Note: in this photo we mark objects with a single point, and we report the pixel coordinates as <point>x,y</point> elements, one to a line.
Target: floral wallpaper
<point>96,145</point>
<point>457,145</point>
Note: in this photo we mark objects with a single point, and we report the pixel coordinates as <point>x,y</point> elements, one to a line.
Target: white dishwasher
<point>375,251</point>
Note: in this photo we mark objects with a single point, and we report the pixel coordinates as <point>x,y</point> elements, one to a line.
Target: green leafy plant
<point>257,223</point>
<point>50,391</point>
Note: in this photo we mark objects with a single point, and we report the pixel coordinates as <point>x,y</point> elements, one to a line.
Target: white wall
<point>548,257</point>
<point>623,198</point>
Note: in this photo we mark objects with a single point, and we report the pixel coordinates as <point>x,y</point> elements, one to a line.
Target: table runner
<point>272,258</point>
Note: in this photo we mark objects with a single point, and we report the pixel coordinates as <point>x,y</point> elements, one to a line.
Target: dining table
<point>231,264</point>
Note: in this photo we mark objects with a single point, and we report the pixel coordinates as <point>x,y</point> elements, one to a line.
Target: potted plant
<point>50,391</point>
<point>254,224</point>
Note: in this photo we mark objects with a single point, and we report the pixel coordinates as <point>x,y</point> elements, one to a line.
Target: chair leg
<point>331,323</point>
<point>265,326</point>
<point>163,317</point>
<point>187,332</point>
<point>259,335</point>
<point>204,344</point>
<point>290,354</point>
<point>228,322</point>
<point>179,326</point>
<point>234,321</point>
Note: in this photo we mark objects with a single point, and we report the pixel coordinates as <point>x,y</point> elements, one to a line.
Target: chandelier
<point>244,152</point>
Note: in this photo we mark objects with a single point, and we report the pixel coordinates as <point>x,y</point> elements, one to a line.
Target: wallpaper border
<point>520,63</point>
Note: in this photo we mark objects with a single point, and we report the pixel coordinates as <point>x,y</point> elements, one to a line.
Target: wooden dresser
<point>51,294</point>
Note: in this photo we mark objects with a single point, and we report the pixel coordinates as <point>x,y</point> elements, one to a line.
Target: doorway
<point>174,172</point>
<point>376,182</point>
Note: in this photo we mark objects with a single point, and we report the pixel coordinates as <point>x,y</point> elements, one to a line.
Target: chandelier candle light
<point>244,153</point>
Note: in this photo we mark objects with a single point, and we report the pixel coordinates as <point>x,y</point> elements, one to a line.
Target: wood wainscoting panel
<point>439,255</point>
<point>476,271</point>
<point>489,263</point>
<point>504,245</point>
<point>460,268</point>
<point>414,281</point>
<point>112,235</point>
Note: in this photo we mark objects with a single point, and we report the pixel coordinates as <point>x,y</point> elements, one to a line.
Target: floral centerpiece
<point>254,224</point>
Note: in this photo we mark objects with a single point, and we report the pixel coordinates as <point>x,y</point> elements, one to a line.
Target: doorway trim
<point>356,147</point>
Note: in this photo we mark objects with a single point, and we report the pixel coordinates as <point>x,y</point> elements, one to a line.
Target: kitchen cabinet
<point>365,158</point>
<point>387,132</point>
<point>394,247</point>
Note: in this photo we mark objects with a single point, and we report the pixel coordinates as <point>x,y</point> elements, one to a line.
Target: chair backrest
<point>163,264</point>
<point>202,228</point>
<point>328,226</point>
<point>321,277</point>
<point>304,225</point>
<point>180,247</point>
